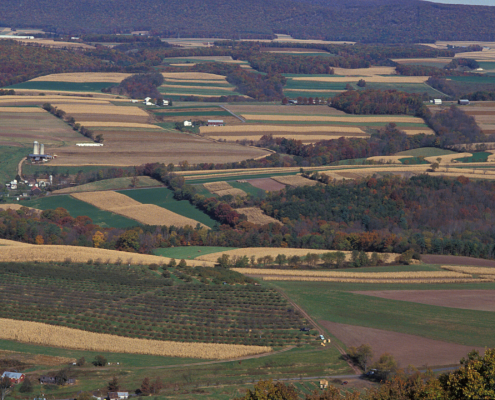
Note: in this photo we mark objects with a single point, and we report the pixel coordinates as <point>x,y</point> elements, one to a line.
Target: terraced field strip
<point>321,118</point>
<point>148,214</point>
<point>373,78</point>
<point>215,130</point>
<point>223,189</point>
<point>59,336</point>
<point>193,76</point>
<point>83,77</point>
<point>110,124</point>
<point>294,180</point>
<point>273,252</point>
<point>21,110</point>
<point>109,109</point>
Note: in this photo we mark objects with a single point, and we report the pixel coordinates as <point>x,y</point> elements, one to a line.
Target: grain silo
<point>42,148</point>
<point>36,148</point>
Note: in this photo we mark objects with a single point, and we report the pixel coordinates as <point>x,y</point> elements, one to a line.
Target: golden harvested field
<point>21,110</point>
<point>275,251</point>
<point>11,251</point>
<point>438,60</point>
<point>50,43</point>
<point>470,270</point>
<point>19,100</point>
<point>365,71</point>
<point>257,216</point>
<point>100,109</point>
<point>201,87</point>
<point>346,274</point>
<point>109,124</point>
<point>294,180</point>
<point>193,75</point>
<point>16,207</point>
<point>83,77</point>
<point>183,65</point>
<point>215,130</point>
<point>6,242</point>
<point>378,280</point>
<point>322,118</point>
<point>417,131</point>
<point>59,336</point>
<point>454,173</point>
<point>369,79</point>
<point>148,214</point>
<point>223,189</point>
<point>176,80</point>
<point>388,159</point>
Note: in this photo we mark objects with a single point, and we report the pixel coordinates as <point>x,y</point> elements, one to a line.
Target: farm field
<point>78,208</point>
<point>333,303</point>
<point>9,159</point>
<point>484,114</point>
<point>189,300</point>
<point>222,188</point>
<point>164,197</point>
<point>110,184</point>
<point>148,214</point>
<point>257,216</point>
<point>189,252</point>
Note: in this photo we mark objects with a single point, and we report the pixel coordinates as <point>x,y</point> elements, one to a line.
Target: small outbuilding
<point>437,101</point>
<point>187,123</point>
<point>463,102</point>
<point>323,384</point>
<point>118,395</point>
<point>215,122</point>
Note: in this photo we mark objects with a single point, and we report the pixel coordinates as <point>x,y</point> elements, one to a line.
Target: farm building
<point>323,384</point>
<point>215,122</point>
<point>15,377</point>
<point>437,101</point>
<point>118,395</point>
<point>463,102</point>
<point>187,123</point>
<point>48,380</point>
<point>38,154</point>
<point>89,144</point>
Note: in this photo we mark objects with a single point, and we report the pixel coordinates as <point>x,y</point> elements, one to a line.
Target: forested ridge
<point>373,21</point>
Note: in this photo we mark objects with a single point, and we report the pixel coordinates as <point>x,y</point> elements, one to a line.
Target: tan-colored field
<point>447,158</point>
<point>193,75</point>
<point>438,60</point>
<point>183,65</point>
<point>369,79</point>
<point>257,216</point>
<point>378,280</point>
<point>294,180</point>
<point>224,189</point>
<point>226,59</point>
<point>59,336</point>
<point>417,131</point>
<point>109,124</point>
<point>347,274</point>
<point>388,159</point>
<point>274,251</point>
<point>16,207</point>
<point>100,109</point>
<point>199,87</point>
<point>470,270</point>
<point>322,118</point>
<point>21,110</point>
<point>20,100</point>
<point>304,138</point>
<point>316,90</point>
<point>50,43</point>
<point>215,130</point>
<point>148,214</point>
<point>83,77</point>
<point>12,252</point>
<point>36,359</point>
<point>363,72</point>
<point>177,80</point>
<point>281,109</point>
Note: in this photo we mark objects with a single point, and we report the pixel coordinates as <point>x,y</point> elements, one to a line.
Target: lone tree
<point>361,83</point>
<point>362,355</point>
<point>113,385</point>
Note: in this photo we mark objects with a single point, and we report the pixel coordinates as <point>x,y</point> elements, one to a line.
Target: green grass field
<point>310,85</point>
<point>402,87</point>
<point>222,113</point>
<point>331,303</point>
<point>248,188</point>
<point>115,184</point>
<point>63,86</point>
<point>211,178</point>
<point>186,84</point>
<point>413,161</point>
<point>472,79</point>
<point>78,208</point>
<point>189,252</point>
<point>481,156</point>
<point>30,169</point>
<point>9,158</point>
<point>164,197</point>
<point>426,152</point>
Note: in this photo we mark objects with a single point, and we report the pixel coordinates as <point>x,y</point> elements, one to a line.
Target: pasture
<point>148,214</point>
<point>189,252</point>
<point>111,184</point>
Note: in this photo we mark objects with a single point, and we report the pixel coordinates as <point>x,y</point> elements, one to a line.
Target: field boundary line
<point>320,330</point>
<point>235,115</point>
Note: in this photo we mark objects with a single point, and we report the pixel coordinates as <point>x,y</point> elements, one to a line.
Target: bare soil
<point>406,349</point>
<point>483,300</point>
<point>267,184</point>
<point>456,260</point>
<point>110,118</point>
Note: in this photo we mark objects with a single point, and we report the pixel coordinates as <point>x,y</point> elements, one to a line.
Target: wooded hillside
<point>371,21</point>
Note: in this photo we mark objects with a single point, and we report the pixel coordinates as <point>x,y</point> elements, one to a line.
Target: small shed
<point>48,380</point>
<point>323,384</point>
<point>215,122</point>
<point>437,101</point>
<point>14,377</point>
<point>463,102</point>
<point>118,395</point>
<point>187,123</point>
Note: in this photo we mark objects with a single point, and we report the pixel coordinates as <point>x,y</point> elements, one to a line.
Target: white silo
<point>42,148</point>
<point>36,148</point>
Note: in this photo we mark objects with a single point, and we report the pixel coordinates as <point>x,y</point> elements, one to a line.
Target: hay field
<point>470,270</point>
<point>274,251</point>
<point>256,216</point>
<point>281,109</point>
<point>304,138</point>
<point>223,189</point>
<point>447,158</point>
<point>417,131</point>
<point>368,79</point>
<point>202,76</point>
<point>294,180</point>
<point>365,72</point>
<point>50,43</point>
<point>109,184</point>
<point>378,280</point>
<point>168,85</point>
<point>16,207</point>
<point>21,110</point>
<point>322,118</point>
<point>19,100</point>
<point>438,60</point>
<point>388,159</point>
<point>148,214</point>
<point>83,77</point>
<point>21,252</point>
<point>116,124</point>
<point>59,336</point>
<point>101,109</point>
<point>215,130</point>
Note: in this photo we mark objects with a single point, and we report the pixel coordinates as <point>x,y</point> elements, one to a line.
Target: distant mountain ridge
<point>353,20</point>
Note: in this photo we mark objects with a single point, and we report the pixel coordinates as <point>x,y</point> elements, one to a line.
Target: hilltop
<point>370,21</point>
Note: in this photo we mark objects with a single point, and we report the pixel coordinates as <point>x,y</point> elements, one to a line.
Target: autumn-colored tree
<point>98,239</point>
<point>39,240</point>
<point>362,355</point>
<point>145,386</point>
<point>113,385</point>
<point>267,390</point>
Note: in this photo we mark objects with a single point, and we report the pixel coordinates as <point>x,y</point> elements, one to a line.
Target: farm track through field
<point>235,115</point>
<point>320,330</point>
<point>19,167</point>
